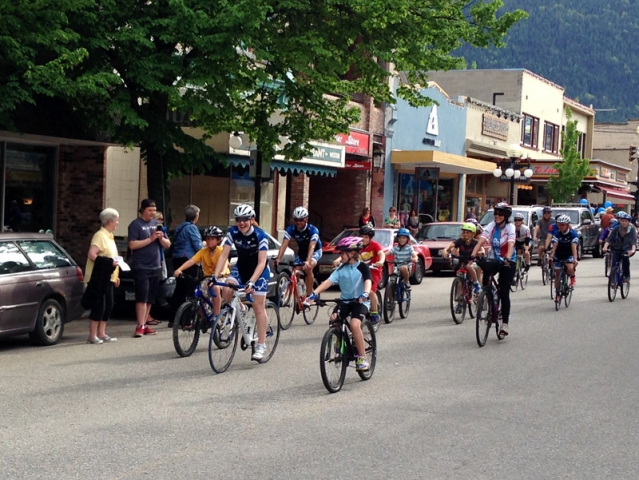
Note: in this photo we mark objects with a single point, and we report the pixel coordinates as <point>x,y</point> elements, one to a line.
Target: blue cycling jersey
<point>564,242</point>
<point>304,237</point>
<point>248,246</point>
<point>351,277</point>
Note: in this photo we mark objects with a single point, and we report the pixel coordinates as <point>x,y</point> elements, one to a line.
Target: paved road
<point>556,399</point>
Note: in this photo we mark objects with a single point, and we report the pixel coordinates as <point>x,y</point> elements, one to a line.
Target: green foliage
<point>122,65</point>
<point>585,46</point>
<point>572,169</point>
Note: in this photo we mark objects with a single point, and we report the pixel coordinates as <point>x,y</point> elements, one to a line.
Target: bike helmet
<point>213,231</point>
<point>472,220</point>
<point>547,210</point>
<point>300,213</point>
<point>614,222</point>
<point>403,232</point>
<point>348,244</point>
<point>367,230</point>
<point>563,219</point>
<point>469,227</point>
<point>504,208</point>
<point>519,216</point>
<point>244,211</point>
<point>623,216</point>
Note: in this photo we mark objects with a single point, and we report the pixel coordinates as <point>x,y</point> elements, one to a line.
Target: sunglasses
<point>242,219</point>
<point>499,214</point>
<point>299,220</point>
<point>517,219</point>
<point>392,210</point>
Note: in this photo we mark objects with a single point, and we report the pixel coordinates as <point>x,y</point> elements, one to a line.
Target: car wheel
<point>418,275</point>
<point>596,251</point>
<point>384,280</point>
<point>49,324</point>
<point>580,250</point>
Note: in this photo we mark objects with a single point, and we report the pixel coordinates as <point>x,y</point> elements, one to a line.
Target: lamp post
<point>513,172</point>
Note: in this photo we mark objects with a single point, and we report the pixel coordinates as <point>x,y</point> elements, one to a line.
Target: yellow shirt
<point>105,242</point>
<point>209,260</point>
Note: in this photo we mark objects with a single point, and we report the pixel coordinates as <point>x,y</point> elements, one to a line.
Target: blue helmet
<point>623,216</point>
<point>613,223</point>
<point>403,232</point>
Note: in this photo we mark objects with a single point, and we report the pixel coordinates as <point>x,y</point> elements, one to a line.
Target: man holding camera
<point>146,238</point>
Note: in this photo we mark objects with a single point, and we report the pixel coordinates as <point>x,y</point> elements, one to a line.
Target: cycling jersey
<point>351,277</point>
<point>564,242</point>
<point>248,246</point>
<point>304,237</point>
<point>465,249</point>
<point>498,240</point>
<point>523,235</point>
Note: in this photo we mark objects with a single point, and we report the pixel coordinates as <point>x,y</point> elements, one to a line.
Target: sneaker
<point>407,286</point>
<point>374,318</point>
<point>458,308</point>
<point>94,340</point>
<point>259,353</point>
<point>149,331</point>
<point>503,331</point>
<point>362,364</point>
<point>573,280</point>
<point>107,339</point>
<point>526,268</point>
<point>139,331</point>
<point>557,298</point>
<point>476,287</point>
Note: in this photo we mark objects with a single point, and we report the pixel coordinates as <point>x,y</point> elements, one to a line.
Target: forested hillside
<point>590,47</point>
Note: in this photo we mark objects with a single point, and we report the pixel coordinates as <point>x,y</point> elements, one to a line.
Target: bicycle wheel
<point>625,289</point>
<point>544,273</point>
<point>471,300</point>
<point>458,300</point>
<point>612,284</point>
<point>404,303</point>
<point>567,294</point>
<point>515,282</point>
<point>223,342</point>
<point>389,300</point>
<point>287,302</point>
<point>310,312</point>
<point>523,279</point>
<point>551,282</point>
<point>272,330</point>
<point>483,319</point>
<point>186,328</point>
<point>333,360</point>
<point>370,341</point>
<point>607,264</point>
<point>380,305</point>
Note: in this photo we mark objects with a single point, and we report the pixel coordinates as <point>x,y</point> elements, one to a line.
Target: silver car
<point>40,287</point>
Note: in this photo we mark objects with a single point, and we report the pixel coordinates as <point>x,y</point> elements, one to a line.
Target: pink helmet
<point>350,244</point>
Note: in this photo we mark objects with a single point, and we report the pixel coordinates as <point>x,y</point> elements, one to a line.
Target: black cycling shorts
<point>354,310</point>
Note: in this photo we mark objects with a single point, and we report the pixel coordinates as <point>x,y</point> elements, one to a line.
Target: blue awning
<point>238,160</point>
<point>306,168</point>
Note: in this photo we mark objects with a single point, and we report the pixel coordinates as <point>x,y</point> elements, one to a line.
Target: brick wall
<point>299,191</point>
<point>81,176</point>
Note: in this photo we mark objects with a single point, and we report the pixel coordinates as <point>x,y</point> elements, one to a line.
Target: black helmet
<point>503,207</point>
<point>367,230</point>
<point>547,210</point>
<point>213,231</point>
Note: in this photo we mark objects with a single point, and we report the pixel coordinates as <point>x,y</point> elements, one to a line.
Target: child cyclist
<point>404,253</point>
<point>464,247</point>
<point>354,280</point>
<point>208,258</point>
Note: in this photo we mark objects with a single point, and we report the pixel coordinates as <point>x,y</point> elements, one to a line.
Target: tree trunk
<point>158,187</point>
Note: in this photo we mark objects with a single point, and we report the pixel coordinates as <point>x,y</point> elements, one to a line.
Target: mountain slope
<point>587,46</point>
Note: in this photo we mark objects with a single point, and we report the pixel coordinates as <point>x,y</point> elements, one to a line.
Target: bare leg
<point>93,329</point>
<point>141,312</point>
<point>259,307</point>
<point>358,336</point>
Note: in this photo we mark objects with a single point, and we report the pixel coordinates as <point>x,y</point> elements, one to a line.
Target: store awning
<point>300,167</point>
<point>446,162</point>
<point>617,194</point>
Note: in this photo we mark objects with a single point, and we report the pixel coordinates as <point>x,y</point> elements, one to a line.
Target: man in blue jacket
<point>187,241</point>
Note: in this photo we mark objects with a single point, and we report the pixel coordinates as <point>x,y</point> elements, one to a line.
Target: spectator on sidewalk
<point>187,241</point>
<point>366,218</point>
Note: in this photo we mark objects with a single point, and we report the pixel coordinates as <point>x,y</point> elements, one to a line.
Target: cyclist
<point>251,268</point>
<point>354,280</point>
<point>208,258</point>
<point>623,243</point>
<point>372,255</point>
<point>500,235</point>
<point>522,238</point>
<point>309,245</point>
<point>564,250</point>
<point>606,231</point>
<point>540,233</point>
<point>404,252</point>
<point>464,247</point>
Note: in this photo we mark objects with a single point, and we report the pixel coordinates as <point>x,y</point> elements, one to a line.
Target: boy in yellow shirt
<point>208,257</point>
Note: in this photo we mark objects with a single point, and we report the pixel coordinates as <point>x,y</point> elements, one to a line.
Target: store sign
<point>356,143</point>
<point>495,127</point>
<point>322,154</point>
<point>431,174</point>
<point>355,165</point>
<point>433,122</point>
<point>545,170</point>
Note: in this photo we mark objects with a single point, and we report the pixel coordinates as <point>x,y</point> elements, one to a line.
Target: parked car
<point>437,236</point>
<point>163,308</point>
<point>40,287</point>
<point>386,238</point>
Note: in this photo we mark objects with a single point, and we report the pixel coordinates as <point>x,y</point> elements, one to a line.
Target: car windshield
<point>435,231</point>
<point>488,216</point>
<point>573,214</point>
<point>383,237</point>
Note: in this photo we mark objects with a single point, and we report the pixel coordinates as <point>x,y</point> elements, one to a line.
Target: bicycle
<point>565,290</point>
<point>226,330</point>
<point>488,304</point>
<point>195,315</point>
<point>396,293</point>
<point>462,297</point>
<point>546,269</point>
<point>292,294</point>
<point>615,281</point>
<point>521,275</point>
<point>338,349</point>
<point>607,261</point>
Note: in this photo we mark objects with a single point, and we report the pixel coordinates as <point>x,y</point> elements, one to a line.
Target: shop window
<point>551,137</point>
<point>529,131</point>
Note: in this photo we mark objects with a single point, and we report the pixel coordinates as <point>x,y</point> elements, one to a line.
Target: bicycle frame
<point>247,318</point>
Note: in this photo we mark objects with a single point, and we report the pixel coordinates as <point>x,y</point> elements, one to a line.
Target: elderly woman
<point>101,276</point>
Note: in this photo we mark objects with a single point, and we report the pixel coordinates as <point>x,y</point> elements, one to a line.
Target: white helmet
<point>244,211</point>
<point>300,213</point>
<point>563,219</point>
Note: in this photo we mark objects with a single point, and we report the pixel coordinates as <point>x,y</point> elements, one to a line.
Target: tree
<point>232,65</point>
<point>572,169</point>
